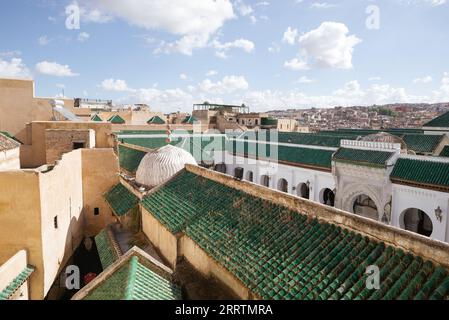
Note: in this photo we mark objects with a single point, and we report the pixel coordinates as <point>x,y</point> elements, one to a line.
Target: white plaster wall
<point>406,197</point>
<point>10,159</point>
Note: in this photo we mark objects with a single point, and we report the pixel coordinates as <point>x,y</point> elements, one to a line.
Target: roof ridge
<point>132,274</point>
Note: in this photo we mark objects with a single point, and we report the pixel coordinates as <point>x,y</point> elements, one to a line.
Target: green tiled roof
<point>439,122</point>
<point>135,281</point>
<point>426,172</point>
<point>269,122</point>
<point>18,281</point>
<point>282,254</point>
<point>363,157</point>
<point>121,200</point>
<point>116,120</point>
<point>108,255</point>
<point>302,156</point>
<point>156,120</point>
<point>96,118</point>
<point>200,147</point>
<point>445,152</point>
<point>7,134</point>
<point>421,143</point>
<point>130,158</point>
<point>189,120</point>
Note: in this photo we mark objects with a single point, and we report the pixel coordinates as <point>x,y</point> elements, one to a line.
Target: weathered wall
<point>18,106</point>
<point>10,270</point>
<point>163,240</point>
<point>10,159</point>
<point>100,174</point>
<point>59,142</point>
<point>61,197</point>
<point>20,226</point>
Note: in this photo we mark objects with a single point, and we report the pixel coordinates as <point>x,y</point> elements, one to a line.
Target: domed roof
<point>160,165</point>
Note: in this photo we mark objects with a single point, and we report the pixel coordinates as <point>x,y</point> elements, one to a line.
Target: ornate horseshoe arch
<point>354,190</point>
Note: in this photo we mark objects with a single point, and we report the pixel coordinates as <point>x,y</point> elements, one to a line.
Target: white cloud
<point>195,21</point>
<point>115,85</point>
<point>211,73</point>
<point>296,64</point>
<point>163,100</point>
<point>83,37</point>
<point>244,44</point>
<point>183,76</point>
<point>228,84</point>
<point>13,68</point>
<point>305,80</point>
<point>221,55</point>
<point>54,69</point>
<point>426,79</point>
<point>274,48</point>
<point>322,5</point>
<point>244,9</point>
<point>329,45</point>
<point>290,36</point>
<point>43,41</point>
<point>375,78</point>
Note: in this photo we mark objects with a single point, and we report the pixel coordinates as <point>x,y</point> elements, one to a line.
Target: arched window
<point>221,167</point>
<point>303,191</point>
<point>250,176</point>
<point>238,173</point>
<point>265,181</point>
<point>283,185</point>
<point>327,197</point>
<point>417,221</point>
<point>364,206</point>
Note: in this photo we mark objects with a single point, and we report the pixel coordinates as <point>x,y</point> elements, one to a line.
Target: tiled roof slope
<point>96,118</point>
<point>116,120</point>
<point>421,143</point>
<point>121,200</point>
<point>282,254</point>
<point>321,159</point>
<point>439,122</point>
<point>363,157</point>
<point>423,172</point>
<point>7,134</point>
<point>135,281</point>
<point>445,152</point>
<point>189,120</point>
<point>156,120</point>
<point>7,143</point>
<point>105,247</point>
<point>130,158</point>
<point>18,281</point>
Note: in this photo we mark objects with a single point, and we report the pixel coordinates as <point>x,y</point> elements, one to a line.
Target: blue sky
<point>266,54</point>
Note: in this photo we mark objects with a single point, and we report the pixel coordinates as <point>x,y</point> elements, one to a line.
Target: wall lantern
<point>439,214</point>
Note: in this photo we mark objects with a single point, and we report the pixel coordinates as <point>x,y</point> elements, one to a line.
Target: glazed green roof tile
<point>108,255</point>
<point>421,143</point>
<point>130,158</point>
<point>439,122</point>
<point>269,122</point>
<point>96,118</point>
<point>445,152</point>
<point>18,281</point>
<point>135,281</point>
<point>281,254</point>
<point>189,120</point>
<point>363,157</point>
<point>431,173</point>
<point>8,135</point>
<point>295,155</point>
<point>121,200</point>
<point>116,120</point>
<point>156,120</point>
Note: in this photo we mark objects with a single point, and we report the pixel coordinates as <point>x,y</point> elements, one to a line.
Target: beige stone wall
<point>10,159</point>
<point>18,106</point>
<point>10,270</point>
<point>20,217</point>
<point>100,173</point>
<point>59,142</point>
<point>164,240</point>
<point>61,197</point>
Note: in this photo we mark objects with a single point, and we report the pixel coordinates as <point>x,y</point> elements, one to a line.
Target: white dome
<point>159,166</point>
